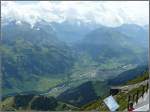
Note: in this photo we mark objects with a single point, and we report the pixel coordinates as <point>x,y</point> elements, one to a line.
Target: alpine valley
<point>59,63</point>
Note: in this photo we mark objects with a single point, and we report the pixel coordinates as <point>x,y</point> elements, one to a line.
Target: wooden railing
<point>139,93</point>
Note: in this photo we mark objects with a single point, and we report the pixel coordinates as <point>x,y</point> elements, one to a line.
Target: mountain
<point>60,56</point>
<point>66,60</point>
<point>139,34</point>
<point>31,56</point>
<point>72,31</point>
<point>108,14</point>
<point>84,93</point>
<point>116,44</point>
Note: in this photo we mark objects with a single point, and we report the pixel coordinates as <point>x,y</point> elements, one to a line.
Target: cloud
<point>110,13</point>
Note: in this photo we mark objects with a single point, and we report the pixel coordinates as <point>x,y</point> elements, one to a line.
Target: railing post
<point>143,90</point>
<point>137,96</point>
<point>147,86</point>
<point>129,98</point>
<point>133,98</point>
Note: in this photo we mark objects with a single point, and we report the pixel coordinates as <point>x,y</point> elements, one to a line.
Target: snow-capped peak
<point>109,13</point>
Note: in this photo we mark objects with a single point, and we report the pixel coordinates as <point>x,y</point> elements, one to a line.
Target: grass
<point>95,105</point>
<point>8,103</point>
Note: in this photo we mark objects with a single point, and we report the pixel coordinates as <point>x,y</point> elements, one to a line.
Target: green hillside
<point>32,59</point>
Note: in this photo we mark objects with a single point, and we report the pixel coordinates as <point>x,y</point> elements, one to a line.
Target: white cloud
<point>110,13</point>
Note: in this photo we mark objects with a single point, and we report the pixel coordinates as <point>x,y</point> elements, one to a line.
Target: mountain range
<point>69,58</point>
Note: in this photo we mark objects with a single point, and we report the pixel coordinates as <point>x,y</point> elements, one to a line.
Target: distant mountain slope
<point>139,34</point>
<point>72,31</point>
<point>31,53</point>
<point>116,44</point>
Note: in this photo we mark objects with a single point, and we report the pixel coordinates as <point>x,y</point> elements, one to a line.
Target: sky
<point>109,13</point>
